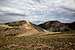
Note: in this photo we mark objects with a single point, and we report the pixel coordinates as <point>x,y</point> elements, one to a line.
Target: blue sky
<point>37,11</point>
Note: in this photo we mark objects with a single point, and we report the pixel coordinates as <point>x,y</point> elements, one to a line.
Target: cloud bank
<point>37,11</point>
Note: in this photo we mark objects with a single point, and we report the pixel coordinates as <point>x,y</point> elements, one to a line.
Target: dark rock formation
<point>72,25</point>
<point>55,26</point>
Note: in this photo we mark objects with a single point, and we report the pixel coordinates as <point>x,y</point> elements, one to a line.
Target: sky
<point>37,11</point>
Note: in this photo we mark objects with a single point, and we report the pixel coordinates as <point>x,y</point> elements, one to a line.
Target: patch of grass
<point>5,26</point>
<point>4,49</point>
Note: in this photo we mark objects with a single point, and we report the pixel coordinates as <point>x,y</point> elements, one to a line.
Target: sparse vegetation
<point>47,41</point>
<point>40,41</point>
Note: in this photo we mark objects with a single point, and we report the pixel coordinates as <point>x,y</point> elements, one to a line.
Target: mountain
<point>56,26</point>
<point>20,27</point>
<point>72,25</point>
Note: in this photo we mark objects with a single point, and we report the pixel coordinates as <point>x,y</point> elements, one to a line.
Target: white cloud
<point>38,10</point>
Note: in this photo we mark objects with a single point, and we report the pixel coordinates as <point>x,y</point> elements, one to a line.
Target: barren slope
<point>27,36</point>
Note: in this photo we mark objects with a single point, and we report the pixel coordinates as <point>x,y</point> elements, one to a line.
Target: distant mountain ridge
<point>25,28</point>
<point>56,26</point>
<point>72,25</point>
